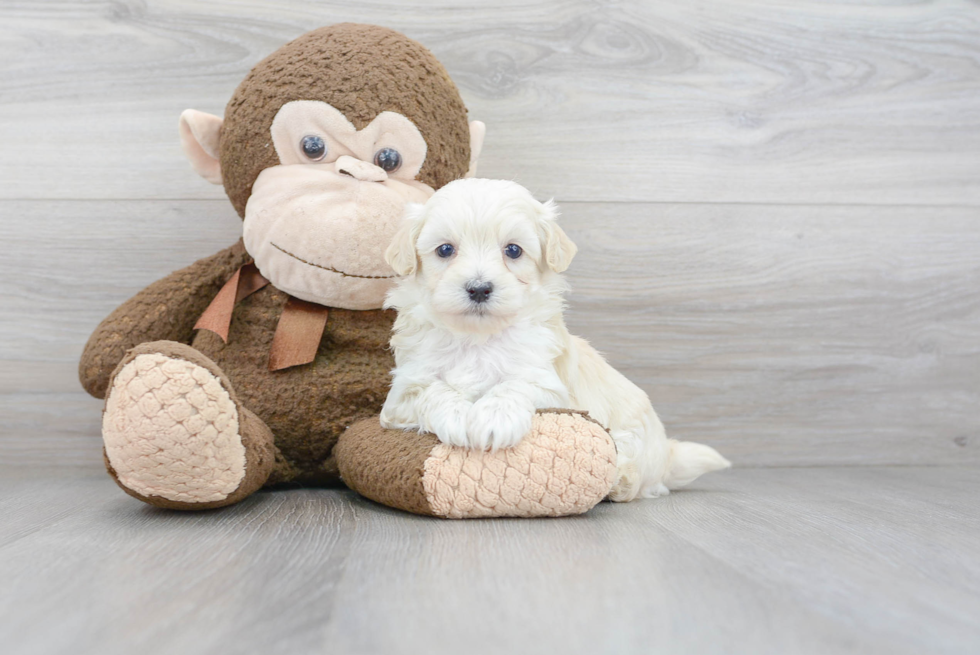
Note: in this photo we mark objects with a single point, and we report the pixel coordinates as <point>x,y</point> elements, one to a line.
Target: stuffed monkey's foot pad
<point>564,466</point>
<point>173,429</point>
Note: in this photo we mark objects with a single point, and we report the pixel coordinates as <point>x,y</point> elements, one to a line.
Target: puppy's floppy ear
<point>401,255</point>
<point>558,248</point>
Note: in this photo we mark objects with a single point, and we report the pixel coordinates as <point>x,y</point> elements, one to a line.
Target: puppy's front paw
<point>450,425</point>
<point>498,422</point>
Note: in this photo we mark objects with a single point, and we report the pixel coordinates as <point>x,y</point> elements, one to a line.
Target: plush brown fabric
<point>406,470</point>
<point>385,465</point>
<point>362,70</point>
<point>307,407</point>
<point>167,309</point>
<point>260,451</point>
<point>290,420</point>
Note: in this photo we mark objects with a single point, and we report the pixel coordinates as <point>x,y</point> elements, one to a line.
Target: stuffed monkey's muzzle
<point>319,232</point>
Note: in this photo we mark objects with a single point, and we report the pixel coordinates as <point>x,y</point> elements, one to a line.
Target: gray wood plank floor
<point>830,560</point>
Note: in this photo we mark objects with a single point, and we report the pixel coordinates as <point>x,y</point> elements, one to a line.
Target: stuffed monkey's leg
<point>175,434</point>
<point>564,465</point>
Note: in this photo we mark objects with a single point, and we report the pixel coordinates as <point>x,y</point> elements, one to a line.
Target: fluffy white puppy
<point>480,342</point>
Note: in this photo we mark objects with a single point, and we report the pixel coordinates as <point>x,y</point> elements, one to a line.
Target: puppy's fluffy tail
<point>688,461</point>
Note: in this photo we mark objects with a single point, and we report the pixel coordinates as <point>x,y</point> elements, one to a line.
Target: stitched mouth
<point>331,268</point>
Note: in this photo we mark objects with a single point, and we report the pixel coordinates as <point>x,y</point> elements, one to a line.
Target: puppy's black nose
<point>479,292</point>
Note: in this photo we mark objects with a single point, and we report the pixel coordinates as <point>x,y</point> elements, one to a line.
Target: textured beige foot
<point>565,465</point>
<point>171,431</point>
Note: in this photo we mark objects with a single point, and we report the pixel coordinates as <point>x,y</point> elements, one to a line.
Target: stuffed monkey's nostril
<point>360,170</point>
<point>479,293</point>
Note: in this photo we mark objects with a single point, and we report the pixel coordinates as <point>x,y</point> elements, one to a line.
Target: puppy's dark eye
<point>513,251</point>
<point>388,159</point>
<point>314,147</point>
<point>445,250</point>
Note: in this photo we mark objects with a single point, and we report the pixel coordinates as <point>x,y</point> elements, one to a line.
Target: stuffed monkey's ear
<point>477,131</point>
<point>558,248</point>
<point>401,255</point>
<point>199,133</point>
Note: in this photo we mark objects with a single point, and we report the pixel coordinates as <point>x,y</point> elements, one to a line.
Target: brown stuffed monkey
<point>267,363</point>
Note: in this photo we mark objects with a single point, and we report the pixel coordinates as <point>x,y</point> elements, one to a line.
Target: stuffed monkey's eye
<point>314,147</point>
<point>445,250</point>
<point>513,251</point>
<point>388,159</point>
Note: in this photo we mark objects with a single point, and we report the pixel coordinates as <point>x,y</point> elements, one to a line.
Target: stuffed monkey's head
<point>321,147</point>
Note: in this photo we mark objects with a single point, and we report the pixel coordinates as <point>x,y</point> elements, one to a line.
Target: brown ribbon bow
<point>298,332</point>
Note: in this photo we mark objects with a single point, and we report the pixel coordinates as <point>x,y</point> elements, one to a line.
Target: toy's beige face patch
<point>318,224</point>
<point>300,119</point>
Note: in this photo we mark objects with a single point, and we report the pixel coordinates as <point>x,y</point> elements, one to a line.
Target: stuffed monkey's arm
<point>167,309</point>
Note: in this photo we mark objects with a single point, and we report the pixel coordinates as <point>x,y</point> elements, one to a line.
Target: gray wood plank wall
<point>777,203</point>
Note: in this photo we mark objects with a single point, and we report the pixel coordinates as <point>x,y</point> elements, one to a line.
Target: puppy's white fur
<point>474,373</point>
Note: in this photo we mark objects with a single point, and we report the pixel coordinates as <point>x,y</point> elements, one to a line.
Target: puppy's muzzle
<point>479,293</point>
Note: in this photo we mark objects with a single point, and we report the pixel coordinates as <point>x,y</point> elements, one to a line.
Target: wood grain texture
<point>763,561</point>
<point>791,335</point>
<point>781,335</point>
<point>69,264</point>
<point>763,101</point>
<point>776,205</point>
